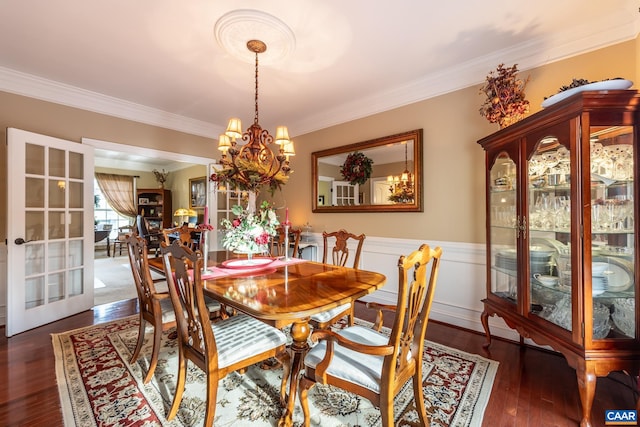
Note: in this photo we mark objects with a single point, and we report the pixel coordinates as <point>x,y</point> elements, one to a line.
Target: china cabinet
<point>154,204</point>
<point>561,250</point>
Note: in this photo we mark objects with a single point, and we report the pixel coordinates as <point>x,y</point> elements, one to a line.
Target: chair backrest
<point>277,243</point>
<point>124,231</point>
<point>183,270</point>
<point>417,276</point>
<point>138,258</point>
<point>184,236</point>
<point>338,242</point>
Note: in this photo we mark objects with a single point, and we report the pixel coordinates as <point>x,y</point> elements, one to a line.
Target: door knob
<point>21,241</point>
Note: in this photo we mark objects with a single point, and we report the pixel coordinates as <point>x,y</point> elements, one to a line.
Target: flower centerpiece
<point>356,168</point>
<point>505,101</point>
<point>249,233</point>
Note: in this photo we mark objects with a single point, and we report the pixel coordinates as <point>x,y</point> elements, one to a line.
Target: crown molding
<point>533,53</point>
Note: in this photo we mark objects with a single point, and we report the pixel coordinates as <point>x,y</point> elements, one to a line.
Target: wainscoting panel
<point>461,282</point>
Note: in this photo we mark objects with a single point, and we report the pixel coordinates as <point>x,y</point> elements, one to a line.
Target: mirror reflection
<point>380,175</point>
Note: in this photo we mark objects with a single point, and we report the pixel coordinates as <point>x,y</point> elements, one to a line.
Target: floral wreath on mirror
<point>356,168</point>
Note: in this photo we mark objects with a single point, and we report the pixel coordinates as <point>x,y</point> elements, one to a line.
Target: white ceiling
<point>158,62</point>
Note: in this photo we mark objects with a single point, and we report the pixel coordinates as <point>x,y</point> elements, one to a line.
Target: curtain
<point>118,190</point>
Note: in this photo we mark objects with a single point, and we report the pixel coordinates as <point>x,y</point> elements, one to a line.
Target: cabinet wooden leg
<point>587,387</point>
<point>484,318</point>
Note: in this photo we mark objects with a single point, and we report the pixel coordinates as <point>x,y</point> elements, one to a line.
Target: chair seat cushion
<point>168,315</point>
<point>325,316</point>
<point>241,337</point>
<point>349,365</point>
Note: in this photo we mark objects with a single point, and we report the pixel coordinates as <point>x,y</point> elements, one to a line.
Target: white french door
<point>50,236</point>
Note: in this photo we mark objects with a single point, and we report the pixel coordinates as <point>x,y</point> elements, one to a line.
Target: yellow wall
<point>453,162</point>
<point>454,205</point>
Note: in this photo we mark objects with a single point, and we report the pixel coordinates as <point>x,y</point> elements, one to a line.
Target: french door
<point>50,236</point>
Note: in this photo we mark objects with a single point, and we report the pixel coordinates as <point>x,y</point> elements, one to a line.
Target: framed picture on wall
<point>198,192</point>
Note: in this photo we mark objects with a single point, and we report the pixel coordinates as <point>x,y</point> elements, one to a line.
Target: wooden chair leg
<point>180,382</point>
<point>212,392</point>
<point>157,340</point>
<point>386,410</point>
<point>141,332</point>
<point>419,396</point>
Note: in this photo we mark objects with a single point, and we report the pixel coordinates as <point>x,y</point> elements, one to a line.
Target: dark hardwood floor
<point>532,387</point>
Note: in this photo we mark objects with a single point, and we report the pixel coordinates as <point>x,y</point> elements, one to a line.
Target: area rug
<point>98,387</point>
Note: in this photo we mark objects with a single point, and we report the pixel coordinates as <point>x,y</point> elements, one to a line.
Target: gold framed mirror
<point>379,175</point>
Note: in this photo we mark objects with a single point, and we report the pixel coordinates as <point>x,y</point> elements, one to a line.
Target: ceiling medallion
<point>234,28</point>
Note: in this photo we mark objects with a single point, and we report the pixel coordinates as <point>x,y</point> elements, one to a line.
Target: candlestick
<point>286,240</point>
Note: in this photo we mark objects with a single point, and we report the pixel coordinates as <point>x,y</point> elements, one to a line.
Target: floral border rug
<point>98,387</point>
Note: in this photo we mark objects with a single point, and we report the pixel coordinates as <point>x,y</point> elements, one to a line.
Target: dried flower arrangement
<point>161,177</point>
<point>505,101</point>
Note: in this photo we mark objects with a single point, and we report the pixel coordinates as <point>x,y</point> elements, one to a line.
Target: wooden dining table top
<point>286,291</point>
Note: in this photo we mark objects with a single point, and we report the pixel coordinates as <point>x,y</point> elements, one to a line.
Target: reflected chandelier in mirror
<point>379,175</point>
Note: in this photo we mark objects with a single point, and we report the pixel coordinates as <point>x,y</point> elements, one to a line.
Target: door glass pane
<point>75,253</point>
<point>56,287</point>
<point>34,192</point>
<point>34,292</point>
<point>76,225</point>
<point>76,165</point>
<point>34,159</point>
<point>549,197</point>
<point>75,195</point>
<point>56,225</point>
<point>34,226</point>
<point>76,282</point>
<point>56,256</point>
<point>503,228</point>
<point>612,228</point>
<point>34,259</point>
<point>57,163</point>
<point>56,193</point>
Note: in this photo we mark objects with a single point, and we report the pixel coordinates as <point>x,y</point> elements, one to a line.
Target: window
<point>103,214</point>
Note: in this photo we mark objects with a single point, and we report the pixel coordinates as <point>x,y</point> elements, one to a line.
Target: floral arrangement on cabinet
<point>505,101</point>
<point>249,232</point>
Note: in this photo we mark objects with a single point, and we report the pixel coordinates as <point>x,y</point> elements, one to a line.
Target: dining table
<point>284,292</point>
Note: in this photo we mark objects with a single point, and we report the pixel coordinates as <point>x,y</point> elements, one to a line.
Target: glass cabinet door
<point>549,239</point>
<point>503,228</point>
<point>612,232</point>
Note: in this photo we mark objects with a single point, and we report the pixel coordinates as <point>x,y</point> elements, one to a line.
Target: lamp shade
<point>282,135</point>
<point>234,128</point>
<point>224,143</point>
<point>289,149</point>
<point>181,212</point>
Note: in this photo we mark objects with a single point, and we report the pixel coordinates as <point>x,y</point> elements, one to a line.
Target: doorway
<point>111,272</point>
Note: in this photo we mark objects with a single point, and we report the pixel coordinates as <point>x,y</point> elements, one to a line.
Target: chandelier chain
<point>255,118</point>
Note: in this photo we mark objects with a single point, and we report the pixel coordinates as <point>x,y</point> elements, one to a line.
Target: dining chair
<point>336,251</point>
<point>154,307</point>
<point>370,363</point>
<point>183,234</point>
<point>153,239</point>
<point>277,243</point>
<point>231,344</point>
<point>120,241</point>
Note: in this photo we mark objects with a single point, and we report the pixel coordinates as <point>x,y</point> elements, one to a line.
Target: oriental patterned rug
<point>98,387</point>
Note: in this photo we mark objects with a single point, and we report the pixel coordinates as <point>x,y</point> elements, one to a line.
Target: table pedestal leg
<point>300,332</point>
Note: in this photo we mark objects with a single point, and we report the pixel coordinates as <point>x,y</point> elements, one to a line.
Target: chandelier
<point>401,187</point>
<point>248,161</point>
